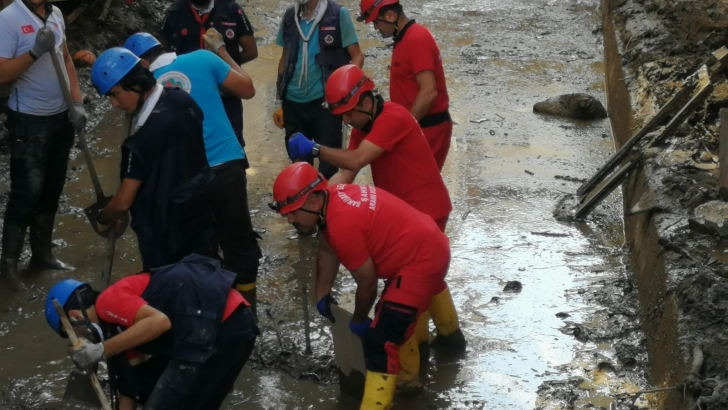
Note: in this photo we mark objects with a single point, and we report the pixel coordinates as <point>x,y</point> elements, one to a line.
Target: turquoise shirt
<point>314,88</point>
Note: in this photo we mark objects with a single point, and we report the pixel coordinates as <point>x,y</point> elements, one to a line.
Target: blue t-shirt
<point>201,73</point>
<point>314,88</point>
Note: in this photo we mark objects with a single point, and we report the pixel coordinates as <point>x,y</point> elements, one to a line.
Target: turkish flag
<point>27,29</point>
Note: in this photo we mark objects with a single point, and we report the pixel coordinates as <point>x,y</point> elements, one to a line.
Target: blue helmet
<point>111,66</point>
<point>140,43</point>
<point>61,291</point>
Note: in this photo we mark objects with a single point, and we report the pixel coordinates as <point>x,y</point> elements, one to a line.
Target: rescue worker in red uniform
<point>198,331</point>
<point>375,235</point>
<point>416,76</point>
<point>387,137</point>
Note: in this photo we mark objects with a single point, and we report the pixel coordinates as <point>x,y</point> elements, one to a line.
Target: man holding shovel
<point>202,73</point>
<point>41,134</point>
<point>198,331</point>
<point>164,170</point>
<point>375,235</point>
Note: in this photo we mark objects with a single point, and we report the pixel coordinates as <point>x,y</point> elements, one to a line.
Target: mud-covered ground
<point>662,43</point>
<point>570,338</point>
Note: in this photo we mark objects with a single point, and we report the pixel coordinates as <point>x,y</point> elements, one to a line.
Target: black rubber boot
<point>41,233</point>
<point>13,237</point>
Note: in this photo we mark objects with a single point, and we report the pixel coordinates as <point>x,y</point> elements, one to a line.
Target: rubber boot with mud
<point>378,391</point>
<point>13,238</point>
<point>41,233</point>
<point>422,331</point>
<point>249,292</point>
<point>408,379</point>
<point>449,335</point>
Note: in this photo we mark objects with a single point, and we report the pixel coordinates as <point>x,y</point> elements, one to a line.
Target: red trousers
<point>438,136</point>
<point>406,295</point>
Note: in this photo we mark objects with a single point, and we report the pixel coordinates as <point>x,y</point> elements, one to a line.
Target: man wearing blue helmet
<point>176,337</point>
<point>201,73</point>
<point>164,171</point>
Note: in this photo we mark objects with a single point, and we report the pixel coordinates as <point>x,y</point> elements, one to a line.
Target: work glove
<point>45,42</point>
<point>278,118</point>
<point>361,328</point>
<point>324,307</point>
<point>78,119</point>
<point>213,39</point>
<point>299,146</point>
<point>86,355</point>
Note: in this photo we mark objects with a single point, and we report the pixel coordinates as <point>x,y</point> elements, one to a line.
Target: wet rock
<point>513,286</point>
<point>579,106</point>
<point>562,315</point>
<point>711,218</point>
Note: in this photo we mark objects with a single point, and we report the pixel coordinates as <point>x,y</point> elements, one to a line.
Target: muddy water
<point>500,58</point>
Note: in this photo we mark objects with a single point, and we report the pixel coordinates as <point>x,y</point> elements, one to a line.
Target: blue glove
<point>324,307</point>
<point>299,146</point>
<point>360,328</point>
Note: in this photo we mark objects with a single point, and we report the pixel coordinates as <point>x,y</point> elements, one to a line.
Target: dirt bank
<point>680,272</point>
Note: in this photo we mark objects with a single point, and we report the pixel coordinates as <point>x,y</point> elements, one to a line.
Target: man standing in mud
<point>201,73</point>
<point>173,338</point>
<point>317,37</point>
<point>416,76</point>
<point>375,235</point>
<point>164,171</point>
<point>183,32</point>
<point>387,137</point>
<point>32,32</point>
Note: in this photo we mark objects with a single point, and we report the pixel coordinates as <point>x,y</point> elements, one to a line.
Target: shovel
<point>349,354</point>
<point>74,342</point>
<point>101,199</point>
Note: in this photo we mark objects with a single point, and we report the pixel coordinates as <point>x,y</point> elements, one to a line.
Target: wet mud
<point>550,309</point>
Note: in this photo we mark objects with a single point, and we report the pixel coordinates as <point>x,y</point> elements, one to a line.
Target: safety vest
<point>187,31</point>
<point>193,294</point>
<point>332,55</point>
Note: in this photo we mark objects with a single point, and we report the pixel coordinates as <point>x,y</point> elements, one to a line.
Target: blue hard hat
<point>61,291</point>
<point>111,66</point>
<point>140,43</point>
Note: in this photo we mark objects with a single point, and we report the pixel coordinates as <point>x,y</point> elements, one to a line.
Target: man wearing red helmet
<point>387,137</point>
<point>375,235</point>
<point>416,76</point>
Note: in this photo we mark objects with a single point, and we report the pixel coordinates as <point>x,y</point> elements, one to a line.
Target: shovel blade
<point>80,391</point>
<point>349,354</point>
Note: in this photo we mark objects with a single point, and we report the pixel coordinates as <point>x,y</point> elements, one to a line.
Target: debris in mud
<point>565,207</point>
<point>551,234</point>
<point>579,106</point>
<point>562,315</point>
<point>570,179</point>
<point>711,218</point>
<point>513,286</point>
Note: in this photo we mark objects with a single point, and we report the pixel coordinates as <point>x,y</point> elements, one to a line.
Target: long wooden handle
<point>75,343</point>
<point>60,73</point>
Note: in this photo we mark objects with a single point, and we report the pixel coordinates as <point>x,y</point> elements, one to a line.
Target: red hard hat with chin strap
<point>345,86</point>
<point>293,185</point>
<point>370,9</point>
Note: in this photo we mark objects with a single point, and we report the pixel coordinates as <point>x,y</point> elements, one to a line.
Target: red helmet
<point>293,185</point>
<point>345,86</point>
<point>370,9</point>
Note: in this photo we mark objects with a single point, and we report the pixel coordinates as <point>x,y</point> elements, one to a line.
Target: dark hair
<point>138,79</point>
<point>153,53</point>
<point>87,299</point>
<point>396,7</point>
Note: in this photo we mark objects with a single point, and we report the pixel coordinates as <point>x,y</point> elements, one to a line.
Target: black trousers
<point>233,227</point>
<point>314,121</point>
<point>39,149</point>
<point>234,110</point>
<point>203,386</point>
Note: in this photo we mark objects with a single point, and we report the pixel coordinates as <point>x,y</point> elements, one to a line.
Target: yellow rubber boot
<point>422,331</point>
<point>449,335</point>
<point>249,292</point>
<point>409,365</point>
<point>378,391</point>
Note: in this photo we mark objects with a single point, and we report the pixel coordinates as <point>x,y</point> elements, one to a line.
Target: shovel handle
<point>62,79</point>
<point>75,343</point>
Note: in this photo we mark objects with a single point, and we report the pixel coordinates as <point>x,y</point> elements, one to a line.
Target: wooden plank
<point>669,107</point>
<point>723,179</point>
<point>349,354</point>
<point>596,196</point>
